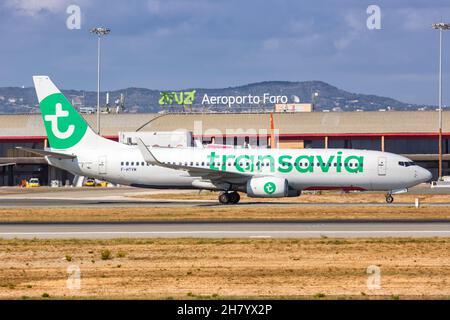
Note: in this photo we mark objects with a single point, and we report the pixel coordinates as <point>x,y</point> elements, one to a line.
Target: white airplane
<point>268,173</point>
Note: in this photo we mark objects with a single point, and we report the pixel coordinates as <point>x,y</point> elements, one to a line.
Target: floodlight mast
<point>440,26</point>
<point>100,32</point>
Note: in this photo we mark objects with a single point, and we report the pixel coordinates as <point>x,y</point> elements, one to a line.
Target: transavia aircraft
<point>262,173</point>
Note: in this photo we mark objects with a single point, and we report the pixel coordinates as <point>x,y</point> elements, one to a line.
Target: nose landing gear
<point>229,197</point>
<point>389,198</point>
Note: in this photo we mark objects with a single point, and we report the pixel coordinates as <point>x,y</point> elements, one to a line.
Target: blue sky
<point>174,44</point>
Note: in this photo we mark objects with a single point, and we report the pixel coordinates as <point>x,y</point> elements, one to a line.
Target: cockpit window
<point>406,163</point>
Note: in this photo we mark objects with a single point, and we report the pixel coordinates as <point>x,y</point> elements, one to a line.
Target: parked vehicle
<point>33,183</point>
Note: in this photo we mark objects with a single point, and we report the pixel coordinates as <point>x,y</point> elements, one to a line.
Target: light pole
<point>99,31</point>
<point>440,26</point>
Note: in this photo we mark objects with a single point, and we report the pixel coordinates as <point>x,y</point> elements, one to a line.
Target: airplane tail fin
<point>65,127</point>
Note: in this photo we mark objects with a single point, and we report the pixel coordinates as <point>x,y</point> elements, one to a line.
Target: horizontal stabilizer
<point>43,152</point>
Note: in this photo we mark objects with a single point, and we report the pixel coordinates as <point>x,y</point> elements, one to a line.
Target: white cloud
<point>415,19</point>
<point>182,7</point>
<point>293,44</point>
<point>34,7</point>
<point>154,6</point>
<point>300,26</point>
<point>355,22</point>
<point>271,44</point>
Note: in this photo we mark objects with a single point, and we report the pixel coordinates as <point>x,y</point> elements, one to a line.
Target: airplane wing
<point>43,152</point>
<point>205,173</point>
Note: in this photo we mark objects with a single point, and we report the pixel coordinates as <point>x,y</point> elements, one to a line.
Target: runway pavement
<point>224,230</point>
<point>125,197</point>
<point>44,202</point>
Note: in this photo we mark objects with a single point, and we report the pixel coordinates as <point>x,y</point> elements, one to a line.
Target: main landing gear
<point>229,197</point>
<point>389,198</point>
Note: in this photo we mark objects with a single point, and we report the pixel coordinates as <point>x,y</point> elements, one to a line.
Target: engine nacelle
<point>267,187</point>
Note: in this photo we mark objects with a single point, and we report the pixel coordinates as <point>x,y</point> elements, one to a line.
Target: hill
<point>23,100</point>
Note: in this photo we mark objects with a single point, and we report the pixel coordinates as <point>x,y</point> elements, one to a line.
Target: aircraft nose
<point>424,175</point>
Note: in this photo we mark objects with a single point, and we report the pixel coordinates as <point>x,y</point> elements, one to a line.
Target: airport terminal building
<point>413,134</point>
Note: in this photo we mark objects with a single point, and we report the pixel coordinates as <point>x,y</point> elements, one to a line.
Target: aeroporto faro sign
<point>188,98</point>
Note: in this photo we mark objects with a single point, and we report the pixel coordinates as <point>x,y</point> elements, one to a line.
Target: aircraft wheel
<point>224,198</point>
<point>389,198</point>
<point>234,197</point>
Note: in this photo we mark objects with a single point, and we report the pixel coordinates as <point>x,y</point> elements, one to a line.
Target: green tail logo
<point>64,126</point>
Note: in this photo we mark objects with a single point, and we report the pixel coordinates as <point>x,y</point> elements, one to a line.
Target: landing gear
<point>389,198</point>
<point>234,197</point>
<point>229,197</point>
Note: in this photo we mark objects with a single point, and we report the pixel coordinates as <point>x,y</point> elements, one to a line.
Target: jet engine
<point>267,187</point>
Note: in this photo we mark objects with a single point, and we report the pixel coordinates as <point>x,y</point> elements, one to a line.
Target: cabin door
<point>102,165</point>
<point>381,166</point>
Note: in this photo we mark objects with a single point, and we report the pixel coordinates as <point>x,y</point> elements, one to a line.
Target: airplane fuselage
<point>304,169</point>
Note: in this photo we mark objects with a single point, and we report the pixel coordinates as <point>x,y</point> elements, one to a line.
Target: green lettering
<point>284,166</point>
<point>339,162</point>
<point>178,97</point>
<point>323,166</point>
<point>271,161</point>
<point>224,161</point>
<point>247,168</point>
<point>212,159</point>
<point>309,168</point>
<point>358,168</point>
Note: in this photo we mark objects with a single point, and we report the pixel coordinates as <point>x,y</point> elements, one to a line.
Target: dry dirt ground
<point>221,268</point>
<point>229,213</point>
<point>319,197</point>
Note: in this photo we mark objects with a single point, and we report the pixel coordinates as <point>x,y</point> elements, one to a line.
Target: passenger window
<point>121,163</point>
<point>132,163</point>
